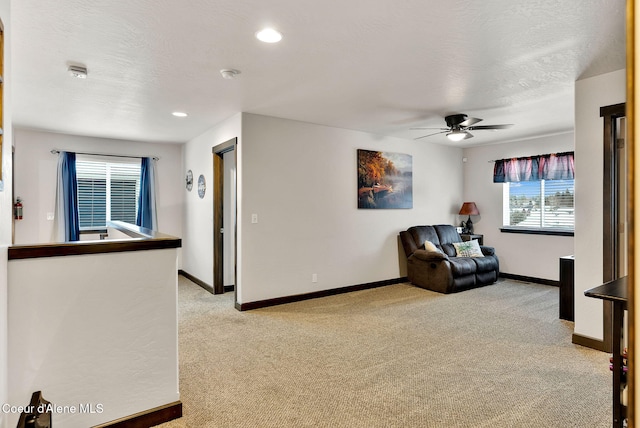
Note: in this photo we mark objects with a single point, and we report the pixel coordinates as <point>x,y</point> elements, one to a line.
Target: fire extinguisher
<point>17,209</point>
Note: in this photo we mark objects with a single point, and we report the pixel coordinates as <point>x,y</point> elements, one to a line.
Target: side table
<point>472,236</point>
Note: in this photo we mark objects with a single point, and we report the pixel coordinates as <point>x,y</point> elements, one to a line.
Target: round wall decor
<point>202,186</point>
<point>189,180</point>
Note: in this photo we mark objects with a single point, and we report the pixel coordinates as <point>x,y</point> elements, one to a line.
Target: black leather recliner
<point>442,270</point>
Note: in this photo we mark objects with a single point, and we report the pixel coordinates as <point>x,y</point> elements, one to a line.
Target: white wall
<point>36,169</point>
<point>6,198</point>
<point>7,139</point>
<point>527,255</point>
<point>94,329</point>
<point>591,94</point>
<point>301,181</point>
<point>197,245</point>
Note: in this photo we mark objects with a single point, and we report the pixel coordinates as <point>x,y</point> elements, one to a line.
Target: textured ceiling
<point>380,66</point>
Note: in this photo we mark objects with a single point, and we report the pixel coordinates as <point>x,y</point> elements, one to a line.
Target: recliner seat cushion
<point>461,266</point>
<point>487,277</point>
<point>485,264</point>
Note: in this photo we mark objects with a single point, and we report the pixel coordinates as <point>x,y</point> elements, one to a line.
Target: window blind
<point>124,190</point>
<point>107,191</point>
<point>545,204</point>
<point>558,204</point>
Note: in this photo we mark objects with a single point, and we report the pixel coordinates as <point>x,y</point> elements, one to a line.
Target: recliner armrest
<point>488,251</point>
<point>429,256</point>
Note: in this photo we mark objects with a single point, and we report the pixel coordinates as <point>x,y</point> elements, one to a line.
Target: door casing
<point>218,215</point>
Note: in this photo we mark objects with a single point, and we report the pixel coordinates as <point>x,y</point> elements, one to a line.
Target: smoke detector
<point>229,73</point>
<point>77,71</point>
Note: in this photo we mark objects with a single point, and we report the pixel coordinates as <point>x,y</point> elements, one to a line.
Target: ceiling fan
<point>459,125</point>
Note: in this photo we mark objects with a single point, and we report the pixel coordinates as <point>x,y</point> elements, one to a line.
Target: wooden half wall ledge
<point>148,418</point>
<point>141,239</point>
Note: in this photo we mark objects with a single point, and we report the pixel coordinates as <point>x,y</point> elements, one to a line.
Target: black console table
<point>566,288</point>
<point>616,292</point>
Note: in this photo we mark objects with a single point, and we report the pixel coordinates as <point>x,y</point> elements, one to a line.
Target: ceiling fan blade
<point>485,127</point>
<point>436,133</point>
<point>468,135</point>
<point>469,121</point>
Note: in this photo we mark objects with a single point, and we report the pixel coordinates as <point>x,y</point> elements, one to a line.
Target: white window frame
<point>110,164</point>
<point>542,228</point>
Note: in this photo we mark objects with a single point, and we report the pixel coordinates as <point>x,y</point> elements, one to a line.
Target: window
<point>107,191</point>
<point>541,204</point>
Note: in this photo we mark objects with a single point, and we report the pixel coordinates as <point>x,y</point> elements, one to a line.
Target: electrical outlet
<point>254,218</point>
<point>50,216</point>
<point>314,277</point>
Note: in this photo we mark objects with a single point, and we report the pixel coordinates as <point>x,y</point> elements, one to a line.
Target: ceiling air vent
<point>78,71</point>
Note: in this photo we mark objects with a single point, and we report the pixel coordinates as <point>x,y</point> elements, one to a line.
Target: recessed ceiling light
<point>179,114</point>
<point>269,35</point>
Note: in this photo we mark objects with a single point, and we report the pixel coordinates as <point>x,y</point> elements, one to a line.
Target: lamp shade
<point>469,208</point>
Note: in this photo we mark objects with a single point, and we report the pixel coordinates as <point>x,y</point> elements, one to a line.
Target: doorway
<point>615,197</point>
<point>224,216</point>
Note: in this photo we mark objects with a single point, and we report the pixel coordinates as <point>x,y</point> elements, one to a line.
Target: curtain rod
<point>155,158</point>
<point>529,157</point>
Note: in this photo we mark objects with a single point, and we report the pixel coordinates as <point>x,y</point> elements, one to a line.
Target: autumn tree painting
<point>384,180</point>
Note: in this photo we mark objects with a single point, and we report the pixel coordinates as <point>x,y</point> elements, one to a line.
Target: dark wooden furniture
<point>37,413</point>
<point>472,236</point>
<point>615,292</point>
<point>143,239</point>
<point>566,288</point>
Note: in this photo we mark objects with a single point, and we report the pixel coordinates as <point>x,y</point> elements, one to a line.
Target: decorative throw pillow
<point>468,249</point>
<point>430,246</point>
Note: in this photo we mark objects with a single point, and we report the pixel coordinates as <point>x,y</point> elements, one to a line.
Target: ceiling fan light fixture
<point>459,125</point>
<point>457,135</point>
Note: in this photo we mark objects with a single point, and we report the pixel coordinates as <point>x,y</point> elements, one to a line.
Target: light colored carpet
<point>395,356</point>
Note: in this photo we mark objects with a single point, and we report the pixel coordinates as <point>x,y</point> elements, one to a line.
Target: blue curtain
<point>67,224</point>
<point>554,166</point>
<point>147,202</point>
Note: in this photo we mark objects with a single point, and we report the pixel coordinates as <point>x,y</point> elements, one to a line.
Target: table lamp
<point>469,208</point>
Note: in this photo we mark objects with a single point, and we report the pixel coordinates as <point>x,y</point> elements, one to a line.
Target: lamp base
<point>469,226</point>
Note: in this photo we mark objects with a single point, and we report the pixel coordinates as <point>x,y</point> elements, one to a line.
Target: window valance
<point>553,166</point>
